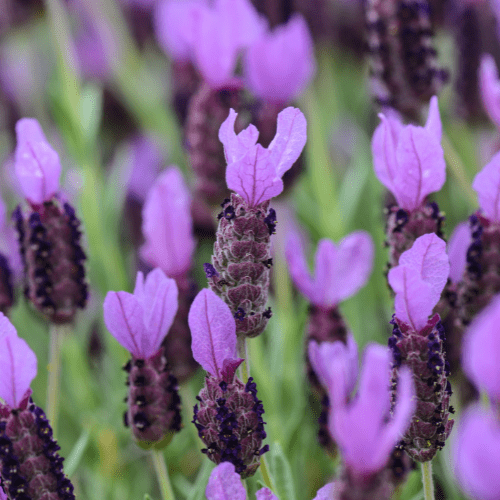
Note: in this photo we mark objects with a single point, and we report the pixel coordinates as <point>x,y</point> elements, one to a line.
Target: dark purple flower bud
<point>53,259</point>
<point>229,421</point>
<point>241,251</point>
<point>153,402</point>
<point>210,270</point>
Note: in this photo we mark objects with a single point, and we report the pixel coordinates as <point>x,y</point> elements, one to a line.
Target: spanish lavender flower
<point>476,453</point>
<point>489,84</point>
<point>31,468</point>
<point>168,231</point>
<point>49,234</point>
<point>409,162</point>
<point>340,270</point>
<point>403,61</point>
<point>139,322</point>
<point>229,414</point>
<point>417,342</point>
<point>362,426</point>
<point>242,249</point>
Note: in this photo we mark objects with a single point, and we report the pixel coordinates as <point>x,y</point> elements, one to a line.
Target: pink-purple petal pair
<point>409,160</point>
<point>255,172</point>
<point>489,84</point>
<point>280,64</point>
<point>140,321</point>
<point>167,224</point>
<point>339,270</point>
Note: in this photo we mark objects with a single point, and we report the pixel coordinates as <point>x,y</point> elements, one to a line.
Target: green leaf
<point>76,454</point>
<point>281,474</point>
<point>147,497</point>
<point>91,111</point>
<point>199,486</point>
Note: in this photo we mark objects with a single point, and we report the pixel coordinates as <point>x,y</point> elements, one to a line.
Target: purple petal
<point>123,315</point>
<point>326,492</point>
<point>167,224</point>
<point>421,166</point>
<point>280,64</point>
<point>489,85</point>
<point>158,297</point>
<point>236,145</point>
<point>265,494</point>
<point>289,141</point>
<point>476,454</point>
<point>433,125</point>
<point>17,364</point>
<point>481,350</point>
<point>458,244</point>
<point>37,165</point>
<point>213,331</point>
<point>487,186</point>
<point>384,142</point>
<point>254,176</point>
<point>225,484</point>
<point>174,23</point>
<point>229,367</point>
<point>3,496</point>
<point>294,252</point>
<point>419,279</point>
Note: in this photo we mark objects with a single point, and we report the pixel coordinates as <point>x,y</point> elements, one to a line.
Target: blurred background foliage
<point>337,193</point>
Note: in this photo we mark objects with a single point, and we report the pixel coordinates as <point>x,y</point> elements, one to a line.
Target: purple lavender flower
<point>49,233</point>
<point>279,64</point>
<point>229,414</point>
<point>409,162</point>
<point>476,453</point>
<point>417,342</point>
<point>139,322</point>
<point>30,464</point>
<point>489,84</point>
<point>242,250</point>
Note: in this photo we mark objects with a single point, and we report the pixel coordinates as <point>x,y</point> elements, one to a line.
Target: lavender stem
<point>162,474</point>
<point>427,480</point>
<point>57,333</point>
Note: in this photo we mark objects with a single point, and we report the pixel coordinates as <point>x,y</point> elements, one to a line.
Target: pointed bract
<point>433,123</point>
<point>140,321</point>
<point>487,186</point>
<point>476,454</point>
<point>481,350</point>
<point>37,164</point>
<point>236,145</point>
<point>18,364</point>
<point>458,244</point>
<point>167,225</point>
<point>280,64</point>
<point>419,279</point>
<point>225,484</point>
<point>213,332</point>
<point>489,84</point>
<point>360,426</point>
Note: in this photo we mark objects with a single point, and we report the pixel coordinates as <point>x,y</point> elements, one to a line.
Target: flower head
<point>255,172</point>
<point>419,279</point>
<point>409,160</point>
<point>37,165</point>
<point>339,272</point>
<point>280,64</point>
<point>489,84</point>
<point>140,321</point>
<point>167,224</point>
<point>487,186</point>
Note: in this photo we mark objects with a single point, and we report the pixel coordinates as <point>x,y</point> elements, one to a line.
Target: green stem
<point>265,473</point>
<point>162,474</point>
<point>427,480</point>
<point>242,353</point>
<point>56,337</point>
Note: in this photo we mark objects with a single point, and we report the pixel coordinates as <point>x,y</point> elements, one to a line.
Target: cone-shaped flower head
<point>229,414</point>
<point>487,186</point>
<point>476,453</point>
<point>280,64</point>
<point>255,172</point>
<point>339,270</point>
<point>409,160</point>
<point>139,322</point>
<point>29,463</point>
<point>419,280</point>
<point>417,341</point>
<point>167,224</point>
<point>489,84</point>
<point>361,426</point>
<point>481,351</point>
<point>37,165</point>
